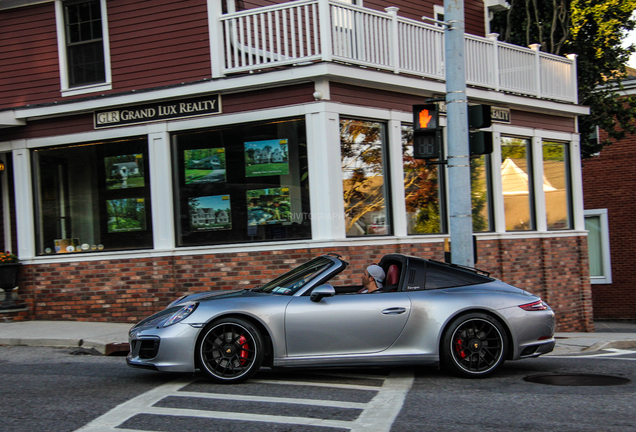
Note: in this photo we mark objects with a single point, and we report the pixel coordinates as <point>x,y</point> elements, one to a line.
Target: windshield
<point>294,280</point>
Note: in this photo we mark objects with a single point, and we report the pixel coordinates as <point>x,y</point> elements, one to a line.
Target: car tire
<point>473,346</point>
<point>230,351</point>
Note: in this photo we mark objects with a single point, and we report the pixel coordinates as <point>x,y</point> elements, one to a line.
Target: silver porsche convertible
<point>426,312</point>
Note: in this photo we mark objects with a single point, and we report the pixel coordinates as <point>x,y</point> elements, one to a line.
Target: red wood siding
<point>373,97</point>
<point>152,44</point>
<point>158,43</point>
<point>269,98</point>
<point>50,127</point>
<point>542,121</point>
<point>29,65</point>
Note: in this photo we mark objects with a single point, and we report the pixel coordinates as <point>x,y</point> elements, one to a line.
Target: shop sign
<point>500,115</point>
<point>497,114</point>
<point>158,111</point>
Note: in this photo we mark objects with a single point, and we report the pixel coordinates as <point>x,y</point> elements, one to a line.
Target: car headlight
<point>181,314</point>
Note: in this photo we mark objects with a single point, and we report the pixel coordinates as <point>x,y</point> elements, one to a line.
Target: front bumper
<point>168,349</point>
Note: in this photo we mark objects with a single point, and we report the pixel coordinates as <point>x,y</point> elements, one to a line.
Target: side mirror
<point>321,292</point>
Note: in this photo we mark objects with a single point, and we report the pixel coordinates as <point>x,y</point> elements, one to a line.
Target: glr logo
<point>108,117</point>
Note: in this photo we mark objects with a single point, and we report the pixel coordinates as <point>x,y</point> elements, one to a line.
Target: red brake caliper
<point>458,348</point>
<point>243,354</point>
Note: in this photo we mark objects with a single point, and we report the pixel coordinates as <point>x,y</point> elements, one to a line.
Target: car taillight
<point>539,305</point>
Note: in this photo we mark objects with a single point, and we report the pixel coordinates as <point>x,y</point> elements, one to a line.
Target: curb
<point>112,348</point>
<point>623,344</point>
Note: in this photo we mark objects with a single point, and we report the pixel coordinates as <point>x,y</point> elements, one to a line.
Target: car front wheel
<point>230,350</point>
<point>474,346</point>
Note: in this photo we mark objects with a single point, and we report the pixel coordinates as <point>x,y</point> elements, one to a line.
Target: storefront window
<point>240,184</point>
<point>93,197</point>
<point>516,178</point>
<point>480,193</point>
<point>421,191</point>
<point>363,171</point>
<point>556,185</point>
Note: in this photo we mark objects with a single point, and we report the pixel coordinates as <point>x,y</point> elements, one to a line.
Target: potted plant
<point>9,272</point>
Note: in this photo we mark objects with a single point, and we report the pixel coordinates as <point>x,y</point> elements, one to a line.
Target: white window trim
<point>605,244</point>
<point>437,11</point>
<point>61,50</point>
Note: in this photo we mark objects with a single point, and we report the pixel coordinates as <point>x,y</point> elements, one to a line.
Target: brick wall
<point>609,181</point>
<point>128,290</point>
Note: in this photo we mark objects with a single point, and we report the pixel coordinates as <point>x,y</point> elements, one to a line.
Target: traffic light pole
<point>460,205</point>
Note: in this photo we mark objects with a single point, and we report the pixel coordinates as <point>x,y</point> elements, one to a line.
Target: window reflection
<point>480,196</point>
<point>556,185</point>
<point>516,177</point>
<point>595,245</point>
<point>361,144</point>
<point>421,191</point>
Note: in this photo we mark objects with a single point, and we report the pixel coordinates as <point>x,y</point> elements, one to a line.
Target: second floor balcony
<point>306,31</point>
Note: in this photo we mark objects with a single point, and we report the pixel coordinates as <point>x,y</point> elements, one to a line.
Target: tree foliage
<point>594,30</point>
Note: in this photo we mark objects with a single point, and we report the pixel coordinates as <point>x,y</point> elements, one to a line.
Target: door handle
<point>394,311</point>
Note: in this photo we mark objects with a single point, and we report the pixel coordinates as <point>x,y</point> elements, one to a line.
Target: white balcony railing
<point>305,31</point>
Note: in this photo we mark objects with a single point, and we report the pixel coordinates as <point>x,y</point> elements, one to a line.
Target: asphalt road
<point>48,389</point>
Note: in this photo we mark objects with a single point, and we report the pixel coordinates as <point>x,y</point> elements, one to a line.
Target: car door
<point>345,324</point>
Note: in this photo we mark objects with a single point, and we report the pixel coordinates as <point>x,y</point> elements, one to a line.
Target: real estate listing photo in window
<point>242,183</point>
<point>92,197</point>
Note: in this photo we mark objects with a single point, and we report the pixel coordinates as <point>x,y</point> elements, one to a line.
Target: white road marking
<point>314,402</point>
<point>614,352</point>
<point>377,416</point>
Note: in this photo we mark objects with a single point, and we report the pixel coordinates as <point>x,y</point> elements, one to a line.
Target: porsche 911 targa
<point>426,312</point>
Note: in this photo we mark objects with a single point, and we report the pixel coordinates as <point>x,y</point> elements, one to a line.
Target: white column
<point>161,188</point>
<point>494,66</point>
<point>537,67</point>
<point>396,180</point>
<point>24,203</point>
<point>394,39</point>
<point>217,44</point>
<point>577,183</point>
<point>574,85</point>
<point>539,194</point>
<point>497,185</point>
<point>325,175</point>
<point>324,16</point>
<point>6,205</point>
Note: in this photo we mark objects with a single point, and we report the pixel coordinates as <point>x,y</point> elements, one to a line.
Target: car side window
<point>441,276</point>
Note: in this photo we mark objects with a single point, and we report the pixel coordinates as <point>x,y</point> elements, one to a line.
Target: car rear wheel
<point>474,346</point>
<point>230,350</point>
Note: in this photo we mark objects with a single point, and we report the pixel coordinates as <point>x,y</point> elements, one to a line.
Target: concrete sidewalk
<point>110,338</point>
<point>107,338</point>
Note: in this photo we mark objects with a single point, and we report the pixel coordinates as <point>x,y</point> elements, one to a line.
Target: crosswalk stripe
<point>377,415</point>
<point>314,402</point>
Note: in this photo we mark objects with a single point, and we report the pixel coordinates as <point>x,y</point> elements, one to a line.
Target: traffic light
<point>427,135</point>
<point>479,118</point>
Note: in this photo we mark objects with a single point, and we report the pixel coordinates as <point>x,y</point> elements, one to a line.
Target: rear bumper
<point>537,349</point>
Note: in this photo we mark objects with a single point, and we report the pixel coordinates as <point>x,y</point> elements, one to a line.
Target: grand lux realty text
<point>158,111</point>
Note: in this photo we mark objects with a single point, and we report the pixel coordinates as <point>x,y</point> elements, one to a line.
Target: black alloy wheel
<point>474,346</point>
<point>230,351</point>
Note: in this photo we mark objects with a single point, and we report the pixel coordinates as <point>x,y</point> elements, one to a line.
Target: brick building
<point>329,85</point>
<point>609,181</point>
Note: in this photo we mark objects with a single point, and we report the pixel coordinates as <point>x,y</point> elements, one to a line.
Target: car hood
<point>214,295</point>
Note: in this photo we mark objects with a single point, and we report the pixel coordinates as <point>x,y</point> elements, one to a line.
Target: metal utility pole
<point>460,206</point>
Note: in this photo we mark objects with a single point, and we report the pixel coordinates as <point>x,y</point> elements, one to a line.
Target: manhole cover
<point>577,380</point>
